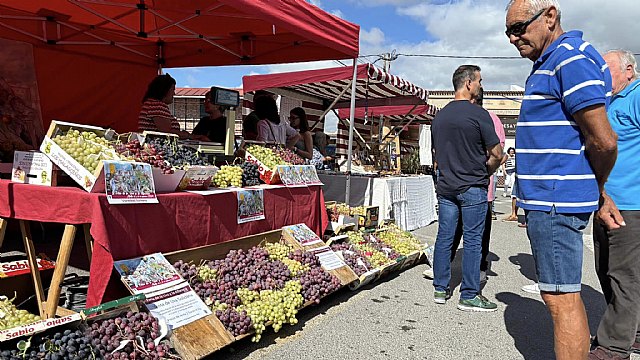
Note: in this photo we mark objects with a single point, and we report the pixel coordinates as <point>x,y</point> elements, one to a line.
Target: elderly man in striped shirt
<point>566,150</point>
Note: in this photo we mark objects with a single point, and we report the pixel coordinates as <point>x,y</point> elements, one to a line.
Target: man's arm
<point>495,158</point>
<point>602,150</point>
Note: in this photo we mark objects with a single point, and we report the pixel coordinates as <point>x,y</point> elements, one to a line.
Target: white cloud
<point>476,28</point>
<point>374,37</point>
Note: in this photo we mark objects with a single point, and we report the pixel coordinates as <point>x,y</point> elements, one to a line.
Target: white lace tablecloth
<point>410,201</point>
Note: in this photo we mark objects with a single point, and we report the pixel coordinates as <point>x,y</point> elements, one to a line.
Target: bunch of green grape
<point>266,156</point>
<point>10,316</point>
<point>275,306</point>
<point>206,273</point>
<point>86,147</point>
<point>228,175</point>
<point>295,266</point>
<point>278,251</point>
<point>400,242</point>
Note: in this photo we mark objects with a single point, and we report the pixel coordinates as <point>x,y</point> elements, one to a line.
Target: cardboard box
<point>91,182</point>
<point>15,277</point>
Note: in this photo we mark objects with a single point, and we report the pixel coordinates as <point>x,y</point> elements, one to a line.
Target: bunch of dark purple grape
<point>250,174</point>
<point>177,155</point>
<point>252,269</point>
<point>144,153</point>
<point>208,290</point>
<point>317,283</point>
<point>67,345</point>
<point>139,329</point>
<point>305,258</point>
<point>238,323</point>
<point>353,258</point>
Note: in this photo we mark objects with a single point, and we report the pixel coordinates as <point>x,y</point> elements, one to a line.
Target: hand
<point>608,213</point>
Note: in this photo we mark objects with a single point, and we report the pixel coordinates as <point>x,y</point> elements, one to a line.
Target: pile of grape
<point>178,156</point>
<point>228,176</point>
<point>67,345</point>
<point>106,336</point>
<point>238,323</point>
<point>372,252</point>
<point>85,147</point>
<point>144,153</point>
<point>400,241</point>
<point>317,283</point>
<point>266,156</point>
<point>288,156</point>
<point>250,174</point>
<point>356,261</point>
<point>278,250</point>
<point>275,306</point>
<point>10,316</point>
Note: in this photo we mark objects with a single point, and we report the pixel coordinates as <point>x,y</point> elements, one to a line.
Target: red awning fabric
<point>182,33</point>
<point>95,58</point>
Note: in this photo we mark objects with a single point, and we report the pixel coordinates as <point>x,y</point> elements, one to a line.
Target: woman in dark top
<point>298,120</point>
<point>214,125</point>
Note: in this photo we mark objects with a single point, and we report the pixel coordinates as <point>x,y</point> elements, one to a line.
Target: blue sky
<point>444,27</point>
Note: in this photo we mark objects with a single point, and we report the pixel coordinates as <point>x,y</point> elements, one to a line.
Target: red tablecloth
<point>180,221</point>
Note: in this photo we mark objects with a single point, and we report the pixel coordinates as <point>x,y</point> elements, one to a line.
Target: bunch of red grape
<point>288,156</point>
<point>238,323</point>
<point>317,283</point>
<point>140,329</point>
<point>250,174</point>
<point>144,153</point>
<point>353,258</point>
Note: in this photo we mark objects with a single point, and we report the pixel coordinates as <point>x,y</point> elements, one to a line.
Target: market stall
<point>370,87</point>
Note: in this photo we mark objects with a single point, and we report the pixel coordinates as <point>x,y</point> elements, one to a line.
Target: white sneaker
<point>428,273</point>
<point>532,288</point>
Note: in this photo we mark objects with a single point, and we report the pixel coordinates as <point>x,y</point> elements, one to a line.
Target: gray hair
<point>537,5</point>
<point>464,73</point>
<point>626,58</point>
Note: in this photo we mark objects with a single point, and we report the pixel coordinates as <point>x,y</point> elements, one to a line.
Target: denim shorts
<point>556,243</point>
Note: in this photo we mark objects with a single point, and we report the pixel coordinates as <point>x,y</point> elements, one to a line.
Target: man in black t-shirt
<point>214,125</point>
<point>462,136</point>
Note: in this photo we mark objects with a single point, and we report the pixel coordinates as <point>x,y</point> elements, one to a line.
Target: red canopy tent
<point>94,58</point>
<point>326,89</point>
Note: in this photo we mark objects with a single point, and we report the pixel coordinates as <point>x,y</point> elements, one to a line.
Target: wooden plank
<point>62,261</point>
<point>88,241</point>
<point>33,264</point>
<point>3,229</point>
<point>200,338</point>
<point>60,311</point>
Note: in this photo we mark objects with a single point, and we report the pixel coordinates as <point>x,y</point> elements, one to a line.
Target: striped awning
<point>319,88</point>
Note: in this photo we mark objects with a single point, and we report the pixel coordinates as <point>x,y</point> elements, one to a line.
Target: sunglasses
<point>519,28</point>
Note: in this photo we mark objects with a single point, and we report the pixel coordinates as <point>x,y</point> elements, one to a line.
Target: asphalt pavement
<point>397,318</point>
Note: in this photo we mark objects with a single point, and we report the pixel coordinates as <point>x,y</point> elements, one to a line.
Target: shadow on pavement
<point>529,323</point>
<point>527,265</point>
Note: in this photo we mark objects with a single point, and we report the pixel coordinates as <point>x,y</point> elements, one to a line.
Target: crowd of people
<point>577,141</point>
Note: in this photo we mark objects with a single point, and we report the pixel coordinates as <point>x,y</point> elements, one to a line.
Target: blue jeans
<point>472,206</point>
<point>556,244</point>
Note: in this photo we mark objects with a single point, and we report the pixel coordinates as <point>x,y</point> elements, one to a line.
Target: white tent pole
<point>351,126</point>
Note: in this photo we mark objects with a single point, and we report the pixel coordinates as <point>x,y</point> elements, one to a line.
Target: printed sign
<point>147,274</point>
<point>329,260</point>
<point>36,327</point>
<point>302,234</point>
<point>32,168</point>
<point>129,183</point>
<point>179,305</point>
<point>19,267</point>
<point>250,205</point>
<point>291,176</point>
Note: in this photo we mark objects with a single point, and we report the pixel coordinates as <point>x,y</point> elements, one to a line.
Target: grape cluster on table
<point>146,153</point>
<point>179,156</point>
<point>250,174</point>
<point>266,284</point>
<point>354,258</point>
<point>288,156</point>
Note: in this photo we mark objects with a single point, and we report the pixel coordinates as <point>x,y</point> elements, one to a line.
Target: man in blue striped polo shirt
<point>566,150</point>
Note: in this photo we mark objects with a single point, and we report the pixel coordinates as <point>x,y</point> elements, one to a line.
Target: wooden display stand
<point>48,306</point>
